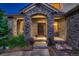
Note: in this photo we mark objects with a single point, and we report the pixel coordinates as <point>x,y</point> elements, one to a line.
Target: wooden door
<point>41,28</point>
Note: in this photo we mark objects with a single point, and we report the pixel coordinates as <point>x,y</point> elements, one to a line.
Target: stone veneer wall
<point>73,30</point>
<point>39,9</point>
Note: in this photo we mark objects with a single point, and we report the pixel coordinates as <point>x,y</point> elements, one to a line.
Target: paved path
<point>39,49</point>
<point>34,52</point>
<point>37,52</point>
<point>40,42</point>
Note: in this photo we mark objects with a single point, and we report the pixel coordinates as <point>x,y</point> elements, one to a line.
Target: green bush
<point>12,42</point>
<point>4,41</point>
<point>3,29</point>
<point>21,41</point>
<point>17,41</point>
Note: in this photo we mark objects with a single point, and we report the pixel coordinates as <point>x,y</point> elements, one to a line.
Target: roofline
<point>72,10</point>
<point>46,4</point>
<point>26,7</point>
<point>53,7</point>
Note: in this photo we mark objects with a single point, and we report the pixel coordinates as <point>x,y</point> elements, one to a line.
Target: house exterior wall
<point>73,30</point>
<point>12,24</point>
<point>16,26</point>
<point>34,27</point>
<point>36,10</point>
<point>62,28</point>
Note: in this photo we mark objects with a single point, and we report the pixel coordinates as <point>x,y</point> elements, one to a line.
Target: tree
<point>3,28</point>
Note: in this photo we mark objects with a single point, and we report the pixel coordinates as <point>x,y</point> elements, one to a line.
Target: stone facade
<point>68,29</point>
<point>73,30</point>
<point>39,9</point>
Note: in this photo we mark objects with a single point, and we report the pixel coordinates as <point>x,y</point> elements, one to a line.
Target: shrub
<point>3,29</point>
<point>17,41</point>
<point>20,41</point>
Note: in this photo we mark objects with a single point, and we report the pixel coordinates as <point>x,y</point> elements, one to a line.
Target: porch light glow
<point>55,26</point>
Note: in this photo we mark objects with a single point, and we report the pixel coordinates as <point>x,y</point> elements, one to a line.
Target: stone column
<point>50,31</point>
<point>14,26</point>
<point>27,28</point>
<point>50,27</point>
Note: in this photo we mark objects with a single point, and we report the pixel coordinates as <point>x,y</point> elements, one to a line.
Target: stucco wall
<point>12,24</point>
<point>62,28</point>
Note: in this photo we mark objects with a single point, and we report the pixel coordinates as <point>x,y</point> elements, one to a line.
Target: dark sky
<point>12,8</point>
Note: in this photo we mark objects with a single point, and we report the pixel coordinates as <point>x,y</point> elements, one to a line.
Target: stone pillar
<point>50,31</point>
<point>50,27</point>
<point>27,28</point>
<point>14,29</point>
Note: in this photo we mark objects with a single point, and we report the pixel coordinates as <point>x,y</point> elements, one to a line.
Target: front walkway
<point>35,52</point>
<point>40,48</point>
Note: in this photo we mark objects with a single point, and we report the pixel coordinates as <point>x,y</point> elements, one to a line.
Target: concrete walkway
<point>37,52</point>
<point>40,48</point>
<point>34,52</point>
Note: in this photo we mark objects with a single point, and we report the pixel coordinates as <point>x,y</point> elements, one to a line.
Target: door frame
<point>37,23</point>
<point>45,28</point>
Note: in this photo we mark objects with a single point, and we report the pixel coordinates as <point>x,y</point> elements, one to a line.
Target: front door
<point>41,28</point>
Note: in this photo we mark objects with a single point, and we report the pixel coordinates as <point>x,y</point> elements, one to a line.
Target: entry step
<point>40,44</point>
<point>40,38</point>
<point>40,47</point>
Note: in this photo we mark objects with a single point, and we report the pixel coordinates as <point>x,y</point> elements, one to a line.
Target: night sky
<point>12,8</point>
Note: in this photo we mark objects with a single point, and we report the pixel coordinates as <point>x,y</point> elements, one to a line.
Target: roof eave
<point>71,11</point>
<point>46,4</point>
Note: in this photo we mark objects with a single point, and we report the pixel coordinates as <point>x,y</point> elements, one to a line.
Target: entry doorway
<point>41,28</point>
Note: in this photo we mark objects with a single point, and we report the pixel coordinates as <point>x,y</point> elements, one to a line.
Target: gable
<point>41,5</point>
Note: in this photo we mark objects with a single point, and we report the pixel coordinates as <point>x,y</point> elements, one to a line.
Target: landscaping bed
<point>16,43</point>
<point>29,48</point>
